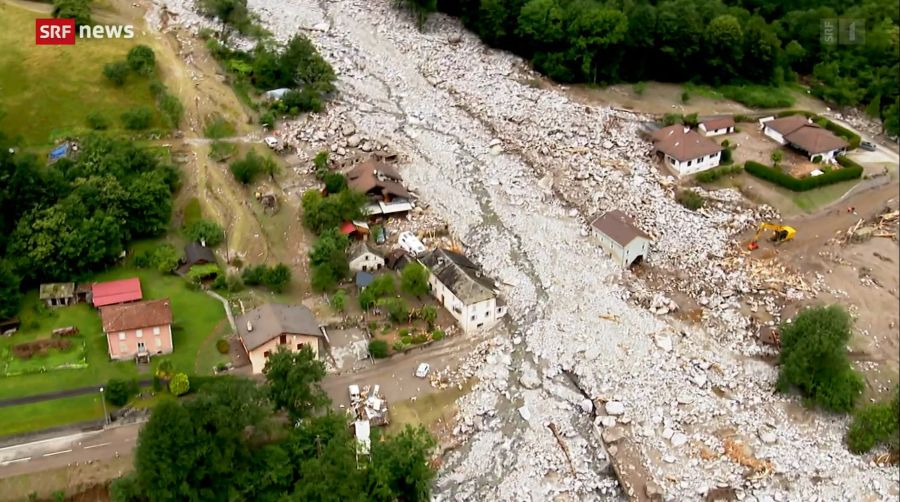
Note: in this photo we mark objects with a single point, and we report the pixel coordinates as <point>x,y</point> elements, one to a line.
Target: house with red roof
<point>114,292</point>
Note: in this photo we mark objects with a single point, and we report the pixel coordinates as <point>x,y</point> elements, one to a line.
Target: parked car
<point>868,145</point>
<point>422,370</point>
<point>271,142</point>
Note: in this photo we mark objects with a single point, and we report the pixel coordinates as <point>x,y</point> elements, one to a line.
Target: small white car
<point>271,141</point>
<point>422,370</point>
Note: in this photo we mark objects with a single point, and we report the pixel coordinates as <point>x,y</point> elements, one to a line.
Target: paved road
<point>62,451</point>
<point>80,391</point>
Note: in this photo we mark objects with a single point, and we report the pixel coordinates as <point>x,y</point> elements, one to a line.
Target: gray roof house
<point>362,257</point>
<point>463,289</point>
<point>272,325</point>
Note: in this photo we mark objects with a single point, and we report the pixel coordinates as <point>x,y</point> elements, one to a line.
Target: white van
<point>411,244</point>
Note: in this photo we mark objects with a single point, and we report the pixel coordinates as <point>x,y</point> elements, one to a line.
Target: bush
<point>378,349</point>
<point>141,60</point>
<point>403,332</point>
<point>685,97</point>
<point>690,199</point>
<point>407,340</point>
<point>171,108</point>
<point>233,283</point>
<point>639,88</point>
<point>157,384</point>
<point>399,346</point>
<point>373,326</point>
<point>117,392</point>
<point>179,385</point>
<point>218,128</point>
<point>220,283</point>
<point>777,155</point>
<point>221,151</point>
<point>137,119</point>
<point>164,258</point>
<point>205,231</point>
<point>428,314</point>
<point>335,182</point>
<point>199,273</point>
<point>396,309</point>
<point>320,161</point>
<point>267,119</point>
<point>672,119</point>
<point>98,121</point>
<point>222,346</point>
<point>420,339</point>
<point>802,184</point>
<point>252,165</point>
<point>873,424</point>
<point>814,359</point>
<point>691,120</point>
<point>726,156</point>
<point>437,335</point>
<point>339,300</point>
<point>254,275</point>
<point>116,72</point>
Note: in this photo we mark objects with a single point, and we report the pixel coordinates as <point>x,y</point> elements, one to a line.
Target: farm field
<point>48,90</point>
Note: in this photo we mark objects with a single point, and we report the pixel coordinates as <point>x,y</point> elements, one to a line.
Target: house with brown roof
<point>622,238</point>
<point>716,126</point>
<point>272,325</point>
<point>800,133</point>
<point>377,179</point>
<point>686,151</point>
<point>138,330</point>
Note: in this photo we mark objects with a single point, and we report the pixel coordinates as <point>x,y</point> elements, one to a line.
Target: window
<point>121,336</point>
<point>156,331</point>
<point>299,346</point>
<point>267,353</point>
<point>473,317</point>
<point>282,339</point>
<point>487,314</point>
<point>480,325</point>
<point>139,333</point>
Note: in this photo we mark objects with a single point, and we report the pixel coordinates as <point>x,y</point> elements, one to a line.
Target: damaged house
<point>382,183</point>
<point>463,290</point>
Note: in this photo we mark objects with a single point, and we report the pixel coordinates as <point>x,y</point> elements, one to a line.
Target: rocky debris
<point>440,105</point>
<point>614,408</point>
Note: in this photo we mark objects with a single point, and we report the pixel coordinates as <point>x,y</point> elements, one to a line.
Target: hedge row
<point>848,135</point>
<point>711,175</point>
<point>802,184</point>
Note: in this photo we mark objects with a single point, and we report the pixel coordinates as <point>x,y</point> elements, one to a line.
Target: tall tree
<point>292,382</point>
<point>725,47</point>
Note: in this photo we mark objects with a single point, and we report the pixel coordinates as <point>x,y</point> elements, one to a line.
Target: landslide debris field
<point>662,367</point>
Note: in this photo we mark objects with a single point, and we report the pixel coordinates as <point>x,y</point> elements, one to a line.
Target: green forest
<point>736,42</point>
<point>63,221</point>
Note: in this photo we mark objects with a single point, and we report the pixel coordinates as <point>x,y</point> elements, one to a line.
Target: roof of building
<point>787,125</point>
<point>136,315</point>
<point>619,227</point>
<point>360,248</point>
<point>684,146</point>
<point>374,175</point>
<point>363,279</point>
<point>462,277</point>
<point>55,290</point>
<point>272,319</point>
<point>396,259</point>
<point>196,253</point>
<point>112,292</point>
<point>814,140</point>
<point>665,132</point>
<point>713,123</point>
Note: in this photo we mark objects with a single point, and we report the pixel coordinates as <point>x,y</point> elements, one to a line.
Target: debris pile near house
<point>370,405</point>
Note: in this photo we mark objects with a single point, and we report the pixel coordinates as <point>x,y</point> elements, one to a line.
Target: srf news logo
<point>62,31</point>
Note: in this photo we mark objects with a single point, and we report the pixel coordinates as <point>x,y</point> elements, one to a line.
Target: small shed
<point>57,294</point>
<point>397,259</point>
<point>622,238</point>
<point>198,254</point>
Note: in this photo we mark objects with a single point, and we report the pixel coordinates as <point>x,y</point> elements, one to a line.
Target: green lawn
<point>48,90</point>
<point>197,316</point>
<point>43,415</point>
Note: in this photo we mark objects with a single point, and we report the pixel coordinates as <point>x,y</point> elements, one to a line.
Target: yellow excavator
<point>781,233</point>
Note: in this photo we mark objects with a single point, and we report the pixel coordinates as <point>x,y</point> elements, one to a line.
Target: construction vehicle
<point>781,233</point>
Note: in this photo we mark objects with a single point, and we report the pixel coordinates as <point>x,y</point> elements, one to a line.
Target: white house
<point>463,290</point>
<point>686,151</point>
<point>716,126</point>
<point>803,135</point>
<point>364,258</point>
<point>621,238</point>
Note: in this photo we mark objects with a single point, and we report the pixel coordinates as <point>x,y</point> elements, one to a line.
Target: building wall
<point>715,132</point>
<point>772,133</point>
<point>624,256</point>
<point>258,355</point>
<point>367,262</point>
<point>694,165</point>
<point>124,344</point>
<point>474,317</point>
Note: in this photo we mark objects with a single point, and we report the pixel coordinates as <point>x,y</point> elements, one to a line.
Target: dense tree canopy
<point>224,443</point>
<point>64,221</point>
<point>716,42</point>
